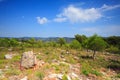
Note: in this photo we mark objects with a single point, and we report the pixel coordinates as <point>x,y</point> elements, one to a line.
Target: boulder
<point>28,59</point>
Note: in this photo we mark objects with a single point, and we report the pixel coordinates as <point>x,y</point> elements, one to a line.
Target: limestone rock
<point>25,78</point>
<point>14,78</point>
<point>8,56</point>
<point>28,59</point>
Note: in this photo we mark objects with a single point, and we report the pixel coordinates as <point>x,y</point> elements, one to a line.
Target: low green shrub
<point>96,73</point>
<point>118,75</point>
<point>85,72</point>
<point>12,72</point>
<point>113,49</point>
<point>64,77</point>
<point>2,55</point>
<point>40,75</point>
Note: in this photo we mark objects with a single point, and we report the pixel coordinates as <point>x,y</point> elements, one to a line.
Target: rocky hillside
<point>58,64</point>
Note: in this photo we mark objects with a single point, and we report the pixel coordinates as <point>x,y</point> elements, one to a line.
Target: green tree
<point>80,38</point>
<point>32,41</point>
<point>4,42</point>
<point>39,43</point>
<point>85,44</point>
<point>75,44</point>
<point>96,43</point>
<point>13,42</point>
<point>61,41</point>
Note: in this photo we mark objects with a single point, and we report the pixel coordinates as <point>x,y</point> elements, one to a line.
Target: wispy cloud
<point>60,19</point>
<point>107,8</point>
<point>78,14</point>
<point>42,20</point>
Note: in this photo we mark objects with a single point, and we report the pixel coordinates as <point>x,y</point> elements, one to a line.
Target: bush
<point>85,72</point>
<point>87,69</point>
<point>118,75</point>
<point>2,56</point>
<point>113,49</point>
<point>64,77</point>
<point>75,44</point>
<point>96,73</point>
<point>40,75</point>
<point>47,53</point>
<point>13,72</point>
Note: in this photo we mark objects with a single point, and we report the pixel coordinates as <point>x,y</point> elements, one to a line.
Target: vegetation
<point>96,43</point>
<point>59,55</point>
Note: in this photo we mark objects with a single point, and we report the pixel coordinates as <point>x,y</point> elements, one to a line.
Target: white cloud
<point>42,20</point>
<point>78,14</point>
<point>74,14</point>
<point>60,19</point>
<point>106,7</point>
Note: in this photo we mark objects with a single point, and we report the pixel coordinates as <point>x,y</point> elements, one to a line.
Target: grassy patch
<point>40,75</point>
<point>12,72</point>
<point>64,77</point>
<point>2,55</point>
<point>62,67</point>
<point>87,69</point>
<point>118,75</point>
<point>96,73</point>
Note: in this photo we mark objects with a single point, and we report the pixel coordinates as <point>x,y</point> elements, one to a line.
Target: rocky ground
<point>53,67</point>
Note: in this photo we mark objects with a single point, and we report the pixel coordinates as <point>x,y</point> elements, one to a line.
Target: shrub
<point>40,75</point>
<point>13,72</point>
<point>96,73</point>
<point>64,77</point>
<point>86,69</point>
<point>113,49</point>
<point>118,75</point>
<point>85,72</point>
<point>47,53</point>
<point>75,44</point>
<point>2,55</point>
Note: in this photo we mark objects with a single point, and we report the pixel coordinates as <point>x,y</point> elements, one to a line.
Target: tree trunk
<point>94,54</point>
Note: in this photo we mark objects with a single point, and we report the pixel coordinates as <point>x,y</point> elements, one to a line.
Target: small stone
<point>25,78</point>
<point>8,56</point>
<point>14,78</point>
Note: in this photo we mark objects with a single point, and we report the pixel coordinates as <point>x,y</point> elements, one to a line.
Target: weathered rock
<point>8,56</point>
<point>25,78</point>
<point>73,76</point>
<point>28,59</point>
<point>1,71</point>
<point>14,78</point>
<point>54,77</point>
<point>1,74</point>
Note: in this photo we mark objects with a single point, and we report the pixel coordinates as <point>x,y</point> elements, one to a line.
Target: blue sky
<point>59,18</point>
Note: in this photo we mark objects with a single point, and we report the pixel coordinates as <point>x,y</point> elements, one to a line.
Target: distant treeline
<point>96,43</point>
